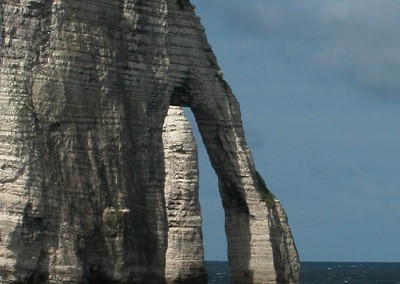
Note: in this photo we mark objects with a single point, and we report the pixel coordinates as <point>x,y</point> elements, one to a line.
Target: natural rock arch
<point>85,87</point>
<point>250,209</point>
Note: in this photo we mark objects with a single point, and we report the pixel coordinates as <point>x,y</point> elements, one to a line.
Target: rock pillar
<point>185,253</point>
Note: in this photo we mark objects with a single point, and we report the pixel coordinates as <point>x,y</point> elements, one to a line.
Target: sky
<point>319,87</point>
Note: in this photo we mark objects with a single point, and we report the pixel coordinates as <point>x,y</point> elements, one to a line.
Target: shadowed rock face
<point>85,87</point>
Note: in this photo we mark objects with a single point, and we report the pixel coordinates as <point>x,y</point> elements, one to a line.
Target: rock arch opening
<point>214,238</point>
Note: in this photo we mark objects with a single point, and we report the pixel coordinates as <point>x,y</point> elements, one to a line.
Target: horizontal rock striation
<point>85,87</point>
<point>185,253</point>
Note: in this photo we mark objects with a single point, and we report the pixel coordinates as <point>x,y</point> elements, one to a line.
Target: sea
<point>325,272</point>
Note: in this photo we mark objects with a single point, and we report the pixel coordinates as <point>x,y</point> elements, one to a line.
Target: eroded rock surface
<point>85,87</point>
<point>185,253</point>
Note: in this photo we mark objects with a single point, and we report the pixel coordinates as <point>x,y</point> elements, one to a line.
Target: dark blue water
<point>218,271</point>
<point>326,272</point>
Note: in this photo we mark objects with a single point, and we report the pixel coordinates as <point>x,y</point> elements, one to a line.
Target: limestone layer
<point>85,87</point>
<point>185,253</point>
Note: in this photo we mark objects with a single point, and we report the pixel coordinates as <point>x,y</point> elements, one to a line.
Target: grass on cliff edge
<point>266,195</point>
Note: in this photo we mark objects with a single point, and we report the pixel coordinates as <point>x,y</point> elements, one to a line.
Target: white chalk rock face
<point>85,87</point>
<point>185,253</point>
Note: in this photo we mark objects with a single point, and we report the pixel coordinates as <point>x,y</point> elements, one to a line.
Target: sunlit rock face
<point>85,87</point>
<point>185,253</point>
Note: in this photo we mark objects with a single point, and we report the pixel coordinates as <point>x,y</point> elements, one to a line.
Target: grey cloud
<point>353,42</point>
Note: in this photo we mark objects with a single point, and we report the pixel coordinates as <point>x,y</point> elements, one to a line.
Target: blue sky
<point>319,87</point>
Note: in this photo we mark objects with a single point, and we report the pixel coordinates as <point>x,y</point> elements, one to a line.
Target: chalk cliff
<point>88,193</point>
<point>185,253</point>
